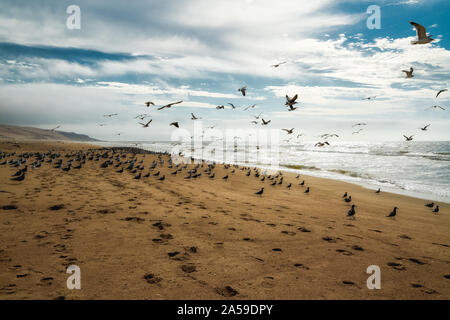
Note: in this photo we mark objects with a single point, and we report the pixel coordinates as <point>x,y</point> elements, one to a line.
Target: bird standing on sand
<point>378,191</point>
<point>349,199</point>
<point>243,90</point>
<point>409,74</point>
<point>436,210</point>
<point>430,205</point>
<point>19,178</point>
<point>307,190</point>
<point>351,212</point>
<point>260,192</point>
<point>393,213</point>
<point>345,195</point>
<point>422,37</point>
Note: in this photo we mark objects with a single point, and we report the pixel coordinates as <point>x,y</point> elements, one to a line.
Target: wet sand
<point>208,238</point>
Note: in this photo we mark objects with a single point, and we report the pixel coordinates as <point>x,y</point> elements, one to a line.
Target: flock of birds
<point>119,160</point>
<point>292,103</point>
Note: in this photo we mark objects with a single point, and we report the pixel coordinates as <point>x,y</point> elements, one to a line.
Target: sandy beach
<point>207,238</point>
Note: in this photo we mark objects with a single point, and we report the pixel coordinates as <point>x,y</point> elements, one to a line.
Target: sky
<point>202,51</point>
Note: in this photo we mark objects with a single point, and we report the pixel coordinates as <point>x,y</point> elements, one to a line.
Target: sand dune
<point>8,132</point>
<point>208,238</point>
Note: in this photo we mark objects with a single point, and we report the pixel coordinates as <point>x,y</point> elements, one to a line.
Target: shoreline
<point>335,176</point>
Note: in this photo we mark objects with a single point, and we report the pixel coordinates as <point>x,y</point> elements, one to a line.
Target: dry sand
<point>118,230</point>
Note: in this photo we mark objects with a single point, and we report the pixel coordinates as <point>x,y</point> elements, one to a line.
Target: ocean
<point>415,168</point>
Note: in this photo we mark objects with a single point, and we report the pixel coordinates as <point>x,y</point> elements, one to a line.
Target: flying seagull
<point>278,64</point>
<point>148,103</point>
<point>169,105</point>
<point>264,123</point>
<point>243,90</point>
<point>440,91</point>
<point>435,107</point>
<point>321,144</point>
<point>425,128</point>
<point>232,105</point>
<point>250,107</point>
<point>175,124</point>
<point>110,115</point>
<point>408,138</point>
<point>291,101</point>
<point>220,107</point>
<point>55,128</point>
<point>422,37</point>
<point>193,117</point>
<point>370,98</point>
<point>259,115</point>
<point>409,74</point>
<point>359,124</point>
<point>289,131</point>
<point>145,125</point>
<point>356,132</point>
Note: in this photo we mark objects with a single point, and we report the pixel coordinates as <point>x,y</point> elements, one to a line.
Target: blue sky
<point>202,51</point>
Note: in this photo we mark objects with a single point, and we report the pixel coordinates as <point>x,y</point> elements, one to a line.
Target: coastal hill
<point>8,132</point>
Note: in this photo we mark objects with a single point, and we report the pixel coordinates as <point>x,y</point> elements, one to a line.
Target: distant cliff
<point>8,132</point>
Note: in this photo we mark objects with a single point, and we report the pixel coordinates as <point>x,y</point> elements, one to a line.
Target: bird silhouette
<point>393,213</point>
<point>260,192</point>
<point>351,212</point>
<point>243,90</point>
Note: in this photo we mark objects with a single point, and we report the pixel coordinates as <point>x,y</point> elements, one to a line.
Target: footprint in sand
<point>303,229</point>
<point>344,252</point>
<point>289,233</point>
<point>57,207</point>
<point>300,265</point>
<point>396,266</point>
<point>188,268</point>
<point>227,291</point>
<point>9,207</point>
<point>357,248</point>
<point>329,239</point>
<point>151,278</point>
<point>134,219</point>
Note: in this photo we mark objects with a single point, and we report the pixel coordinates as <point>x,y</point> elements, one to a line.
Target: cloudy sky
<point>202,51</point>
